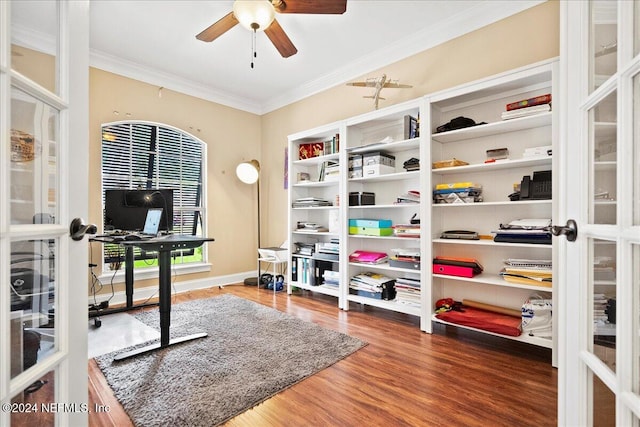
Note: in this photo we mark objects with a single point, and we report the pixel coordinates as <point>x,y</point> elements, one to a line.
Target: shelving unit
<point>363,136</point>
<point>484,101</point>
<point>305,271</point>
<point>384,131</point>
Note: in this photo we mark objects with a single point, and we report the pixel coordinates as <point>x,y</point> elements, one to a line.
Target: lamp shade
<point>248,172</point>
<point>254,14</point>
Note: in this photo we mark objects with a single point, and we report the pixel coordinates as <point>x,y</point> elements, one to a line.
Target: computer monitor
<point>127,209</point>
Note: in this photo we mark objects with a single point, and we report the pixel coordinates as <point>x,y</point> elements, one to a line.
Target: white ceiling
<point>154,41</point>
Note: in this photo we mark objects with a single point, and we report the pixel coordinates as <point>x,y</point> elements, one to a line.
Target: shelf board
<point>389,147</point>
<point>495,128</point>
<point>540,342</point>
<point>316,233</point>
<point>321,289</point>
<point>316,184</point>
<point>316,160</point>
<point>315,208</point>
<point>504,203</point>
<point>494,280</point>
<point>388,177</point>
<point>362,236</point>
<point>383,267</point>
<point>390,206</point>
<point>485,242</point>
<point>387,305</point>
<point>490,167</point>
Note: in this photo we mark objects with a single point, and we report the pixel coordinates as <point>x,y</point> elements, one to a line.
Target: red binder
<point>462,267</point>
<point>454,270</point>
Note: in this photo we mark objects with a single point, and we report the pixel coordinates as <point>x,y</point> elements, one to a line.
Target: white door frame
<point>578,363</point>
<point>69,359</point>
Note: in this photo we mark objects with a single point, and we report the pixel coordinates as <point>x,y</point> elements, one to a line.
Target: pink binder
<point>368,257</point>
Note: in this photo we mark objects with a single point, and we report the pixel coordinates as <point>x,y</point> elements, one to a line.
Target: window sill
<point>152,272</point>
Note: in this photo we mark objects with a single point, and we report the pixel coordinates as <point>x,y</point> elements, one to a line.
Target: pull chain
<point>253,44</point>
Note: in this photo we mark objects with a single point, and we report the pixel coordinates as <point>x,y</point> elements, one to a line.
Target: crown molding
<point>466,21</point>
<point>144,74</point>
<point>462,23</point>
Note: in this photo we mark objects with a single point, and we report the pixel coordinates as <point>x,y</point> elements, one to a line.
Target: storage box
<point>377,169</point>
<point>378,158</point>
<point>375,223</point>
<point>371,231</point>
<point>360,198</point>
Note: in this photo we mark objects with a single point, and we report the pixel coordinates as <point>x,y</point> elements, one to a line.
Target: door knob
<point>77,229</point>
<point>570,230</point>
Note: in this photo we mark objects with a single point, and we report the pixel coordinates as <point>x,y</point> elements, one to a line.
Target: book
<point>526,111</point>
<point>536,100</point>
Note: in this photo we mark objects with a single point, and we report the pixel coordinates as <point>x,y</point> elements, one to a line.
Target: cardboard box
<point>377,169</point>
<point>378,158</point>
<point>375,223</point>
<point>371,231</point>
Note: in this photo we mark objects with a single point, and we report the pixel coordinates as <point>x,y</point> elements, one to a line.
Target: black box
<point>360,198</point>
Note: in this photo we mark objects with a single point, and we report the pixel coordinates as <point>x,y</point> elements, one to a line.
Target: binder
<point>454,270</point>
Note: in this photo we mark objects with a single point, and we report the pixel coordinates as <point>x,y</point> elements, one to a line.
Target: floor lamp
<point>249,173</point>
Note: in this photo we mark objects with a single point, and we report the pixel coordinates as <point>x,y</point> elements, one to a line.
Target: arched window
<point>143,155</point>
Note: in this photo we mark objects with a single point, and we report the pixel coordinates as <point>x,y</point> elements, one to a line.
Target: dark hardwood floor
<point>403,377</point>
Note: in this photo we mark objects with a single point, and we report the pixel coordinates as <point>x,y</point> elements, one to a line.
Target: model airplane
<point>378,83</point>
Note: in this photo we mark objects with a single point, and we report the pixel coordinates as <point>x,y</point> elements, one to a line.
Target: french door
<point>599,365</point>
<point>43,165</point>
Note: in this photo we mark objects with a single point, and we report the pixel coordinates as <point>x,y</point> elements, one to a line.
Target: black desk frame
<point>164,246</point>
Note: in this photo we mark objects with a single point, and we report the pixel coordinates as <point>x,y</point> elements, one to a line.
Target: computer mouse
<point>132,237</point>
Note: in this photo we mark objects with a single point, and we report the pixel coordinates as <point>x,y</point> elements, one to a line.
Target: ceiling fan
<point>259,15</point>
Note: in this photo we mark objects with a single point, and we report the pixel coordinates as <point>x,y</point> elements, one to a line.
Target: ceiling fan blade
<point>334,7</point>
<point>217,29</point>
<point>280,40</point>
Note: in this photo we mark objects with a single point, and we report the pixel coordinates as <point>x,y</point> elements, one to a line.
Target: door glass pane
<point>604,300</point>
<point>32,291</point>
<point>603,133</point>
<point>34,159</point>
<point>41,395</point>
<point>604,404</point>
<point>604,41</point>
<point>34,38</point>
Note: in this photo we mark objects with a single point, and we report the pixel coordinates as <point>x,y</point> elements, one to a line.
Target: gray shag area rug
<point>251,353</point>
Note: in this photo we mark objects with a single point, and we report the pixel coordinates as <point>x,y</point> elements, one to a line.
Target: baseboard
<point>143,294</point>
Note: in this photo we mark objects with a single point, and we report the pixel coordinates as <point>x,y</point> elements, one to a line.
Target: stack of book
<point>600,303</point>
<point>528,107</point>
<point>308,202</point>
<point>534,272</point>
<point>457,192</point>
<point>331,279</point>
<point>329,171</point>
<point>408,258</point>
<point>304,248</point>
<point>411,196</point>
<point>372,285</point>
<point>408,291</point>
<point>310,227</point>
<point>406,230</point>
<point>329,251</point>
<point>533,230</point>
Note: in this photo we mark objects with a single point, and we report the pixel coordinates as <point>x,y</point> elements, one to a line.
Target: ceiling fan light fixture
<point>254,15</point>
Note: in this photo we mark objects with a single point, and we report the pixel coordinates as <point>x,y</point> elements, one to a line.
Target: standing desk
<point>164,246</point>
